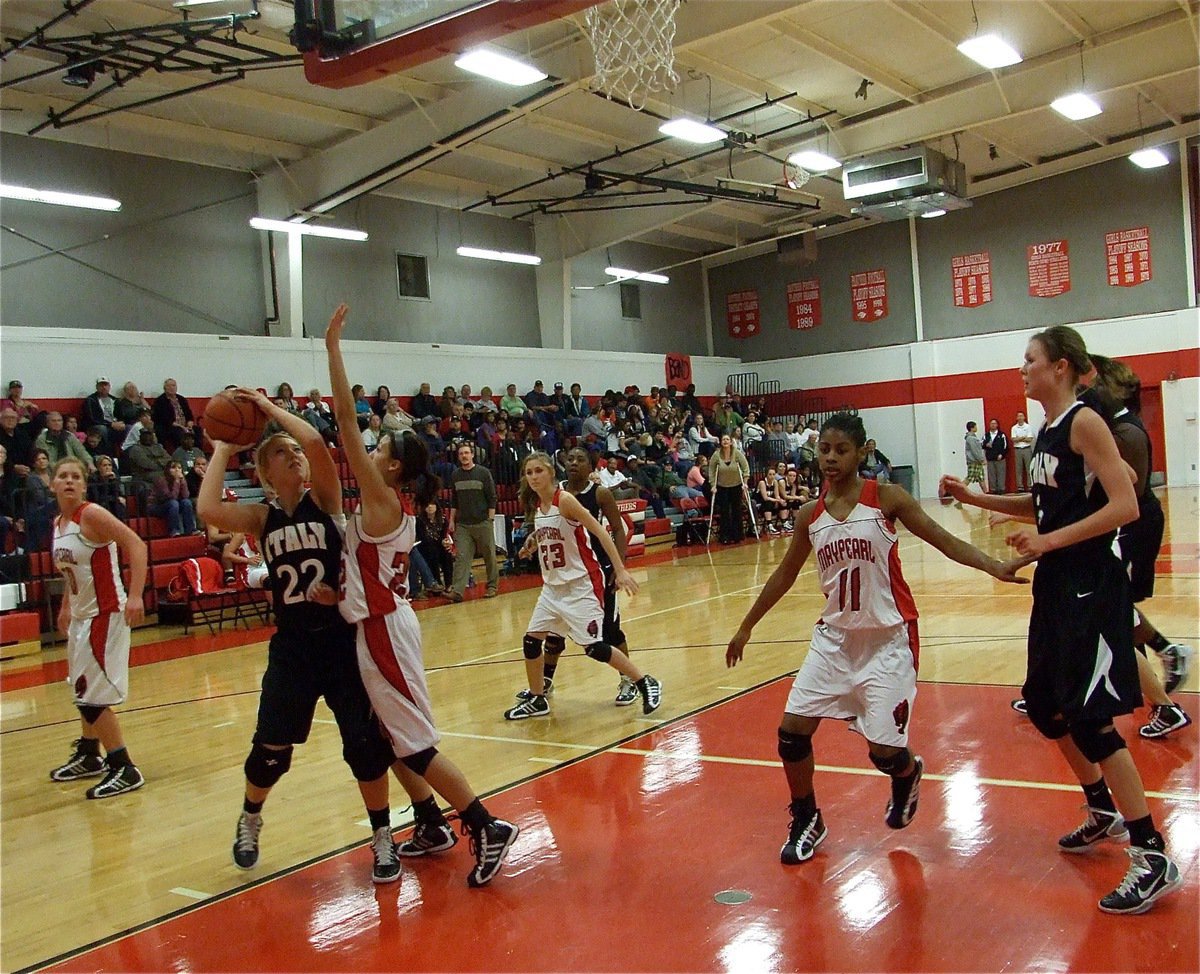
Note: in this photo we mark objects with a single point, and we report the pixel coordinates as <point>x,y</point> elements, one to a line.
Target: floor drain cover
<point>732,897</point>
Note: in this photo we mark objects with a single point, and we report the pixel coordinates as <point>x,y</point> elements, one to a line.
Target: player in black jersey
<point>599,502</point>
<point>312,653</point>
<point>1081,663</point>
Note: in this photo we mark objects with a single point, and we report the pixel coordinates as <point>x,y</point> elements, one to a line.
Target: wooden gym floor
<point>631,826</point>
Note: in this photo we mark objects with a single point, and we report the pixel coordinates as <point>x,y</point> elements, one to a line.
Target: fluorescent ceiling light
<point>691,131</point>
<point>621,274</point>
<point>990,51</point>
<point>1076,106</point>
<point>931,214</point>
<point>813,161</point>
<point>306,229</point>
<point>60,199</point>
<point>1149,158</point>
<point>505,255</point>
<point>499,67</point>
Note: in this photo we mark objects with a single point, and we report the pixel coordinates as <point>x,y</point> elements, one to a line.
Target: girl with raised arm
<point>395,481</point>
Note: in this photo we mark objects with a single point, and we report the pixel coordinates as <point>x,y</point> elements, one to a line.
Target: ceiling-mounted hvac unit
<point>901,183</point>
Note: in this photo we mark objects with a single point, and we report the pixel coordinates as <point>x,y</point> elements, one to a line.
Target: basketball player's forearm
<point>1020,506</point>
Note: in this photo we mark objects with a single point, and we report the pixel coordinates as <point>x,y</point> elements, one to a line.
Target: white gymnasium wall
<point>64,362</point>
<point>929,435</point>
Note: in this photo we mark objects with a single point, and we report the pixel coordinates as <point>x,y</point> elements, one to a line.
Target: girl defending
<point>96,615</point>
<point>571,602</point>
<point>862,662</point>
<point>1082,669</point>
<point>395,482</point>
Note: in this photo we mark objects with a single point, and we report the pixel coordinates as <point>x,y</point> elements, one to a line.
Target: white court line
<point>191,894</point>
<point>322,720</point>
<point>524,740</point>
<point>545,760</point>
<point>228,723</point>
<point>739,689</point>
<point>871,772</point>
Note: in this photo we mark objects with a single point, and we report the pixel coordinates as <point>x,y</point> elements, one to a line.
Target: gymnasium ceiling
<point>789,75</point>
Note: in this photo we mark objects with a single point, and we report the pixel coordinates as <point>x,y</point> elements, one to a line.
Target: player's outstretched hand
<point>951,486</point>
<point>336,322</point>
<point>737,646</point>
<point>1006,571</point>
<point>246,394</point>
<point>995,518</point>
<point>626,582</point>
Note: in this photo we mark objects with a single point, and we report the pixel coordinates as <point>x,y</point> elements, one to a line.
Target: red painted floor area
<point>621,855</point>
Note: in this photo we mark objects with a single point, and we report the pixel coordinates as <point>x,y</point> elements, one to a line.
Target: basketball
<point>234,421</point>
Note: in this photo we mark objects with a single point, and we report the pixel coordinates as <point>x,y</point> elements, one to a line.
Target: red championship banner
<point>1128,255</point>
<point>868,295</point>
<point>741,314</point>
<point>1049,269</point>
<point>804,304</point>
<point>972,276</point>
<point>679,370</point>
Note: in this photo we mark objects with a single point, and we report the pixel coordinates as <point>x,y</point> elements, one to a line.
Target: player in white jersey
<point>862,661</point>
<point>571,602</point>
<point>375,559</point>
<point>96,615</point>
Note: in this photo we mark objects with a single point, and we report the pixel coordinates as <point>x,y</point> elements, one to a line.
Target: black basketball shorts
<point>1140,543</point>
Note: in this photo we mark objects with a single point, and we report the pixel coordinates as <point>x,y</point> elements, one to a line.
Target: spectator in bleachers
<point>319,416</point>
<point>648,478</point>
<point>35,502</point>
<point>170,499</point>
<point>487,438</point>
<point>725,418</point>
<point>795,493</point>
<point>423,405</point>
<point>370,436</point>
<point>874,465</point>
<point>447,403</point>
<point>487,400</point>
<point>17,443</point>
<point>436,447</point>
<point>511,404</point>
<point>99,409</point>
<point>7,506</point>
<point>687,402</point>
<point>25,409</point>
<point>187,452</point>
<point>129,406</point>
<point>133,435</point>
<point>71,424</point>
<point>795,439</point>
<point>395,418</point>
<point>775,443</point>
<point>104,488</point>
<point>728,471</point>
<point>196,475</point>
<point>145,462</point>
<point>172,415</point>
<point>433,540</point>
<point>96,444</point>
<point>362,408</point>
<point>753,434</point>
<point>697,478</point>
<point>809,467</point>
<point>471,522</point>
<point>595,430</point>
<point>575,410</point>
<point>466,400</point>
<point>540,406</point>
<point>285,398</point>
<point>58,443</point>
<point>382,395</point>
<point>702,442</point>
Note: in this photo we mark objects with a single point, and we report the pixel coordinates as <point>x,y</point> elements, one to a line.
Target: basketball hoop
<point>633,41</point>
<point>794,177</point>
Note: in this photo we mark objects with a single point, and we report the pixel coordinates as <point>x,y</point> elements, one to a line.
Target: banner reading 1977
<point>1049,269</point>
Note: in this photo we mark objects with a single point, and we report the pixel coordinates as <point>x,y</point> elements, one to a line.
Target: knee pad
<point>265,765</point>
<point>894,765</point>
<point>794,747</point>
<point>1095,744</point>
<point>601,652</point>
<point>90,714</point>
<point>531,647</point>
<point>1053,727</point>
<point>555,645</point>
<point>369,758</point>
<point>419,763</point>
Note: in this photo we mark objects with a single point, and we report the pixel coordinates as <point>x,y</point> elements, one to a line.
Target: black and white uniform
<point>312,653</point>
<point>1080,657</point>
<point>612,632</point>
<point>1140,540</point>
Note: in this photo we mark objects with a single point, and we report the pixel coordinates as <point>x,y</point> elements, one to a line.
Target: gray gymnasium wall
<point>179,256</point>
<point>672,314</point>
<point>1079,207</point>
<point>884,245</point>
<point>471,302</point>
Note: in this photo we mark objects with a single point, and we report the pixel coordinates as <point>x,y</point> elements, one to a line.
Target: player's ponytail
<point>417,477</point>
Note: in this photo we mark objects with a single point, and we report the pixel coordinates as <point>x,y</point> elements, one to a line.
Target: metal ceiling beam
<point>751,85</point>
<point>839,55</point>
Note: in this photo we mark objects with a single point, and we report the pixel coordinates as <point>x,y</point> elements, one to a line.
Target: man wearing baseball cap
<point>98,410</point>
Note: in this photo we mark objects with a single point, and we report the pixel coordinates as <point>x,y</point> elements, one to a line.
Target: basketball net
<point>633,41</point>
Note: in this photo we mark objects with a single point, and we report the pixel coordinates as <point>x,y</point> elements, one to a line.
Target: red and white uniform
<point>374,586</point>
<point>246,575</point>
<point>572,599</point>
<point>98,635</point>
<point>862,662</point>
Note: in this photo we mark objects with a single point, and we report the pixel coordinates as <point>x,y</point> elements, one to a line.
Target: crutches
<point>712,509</point>
<point>749,504</point>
